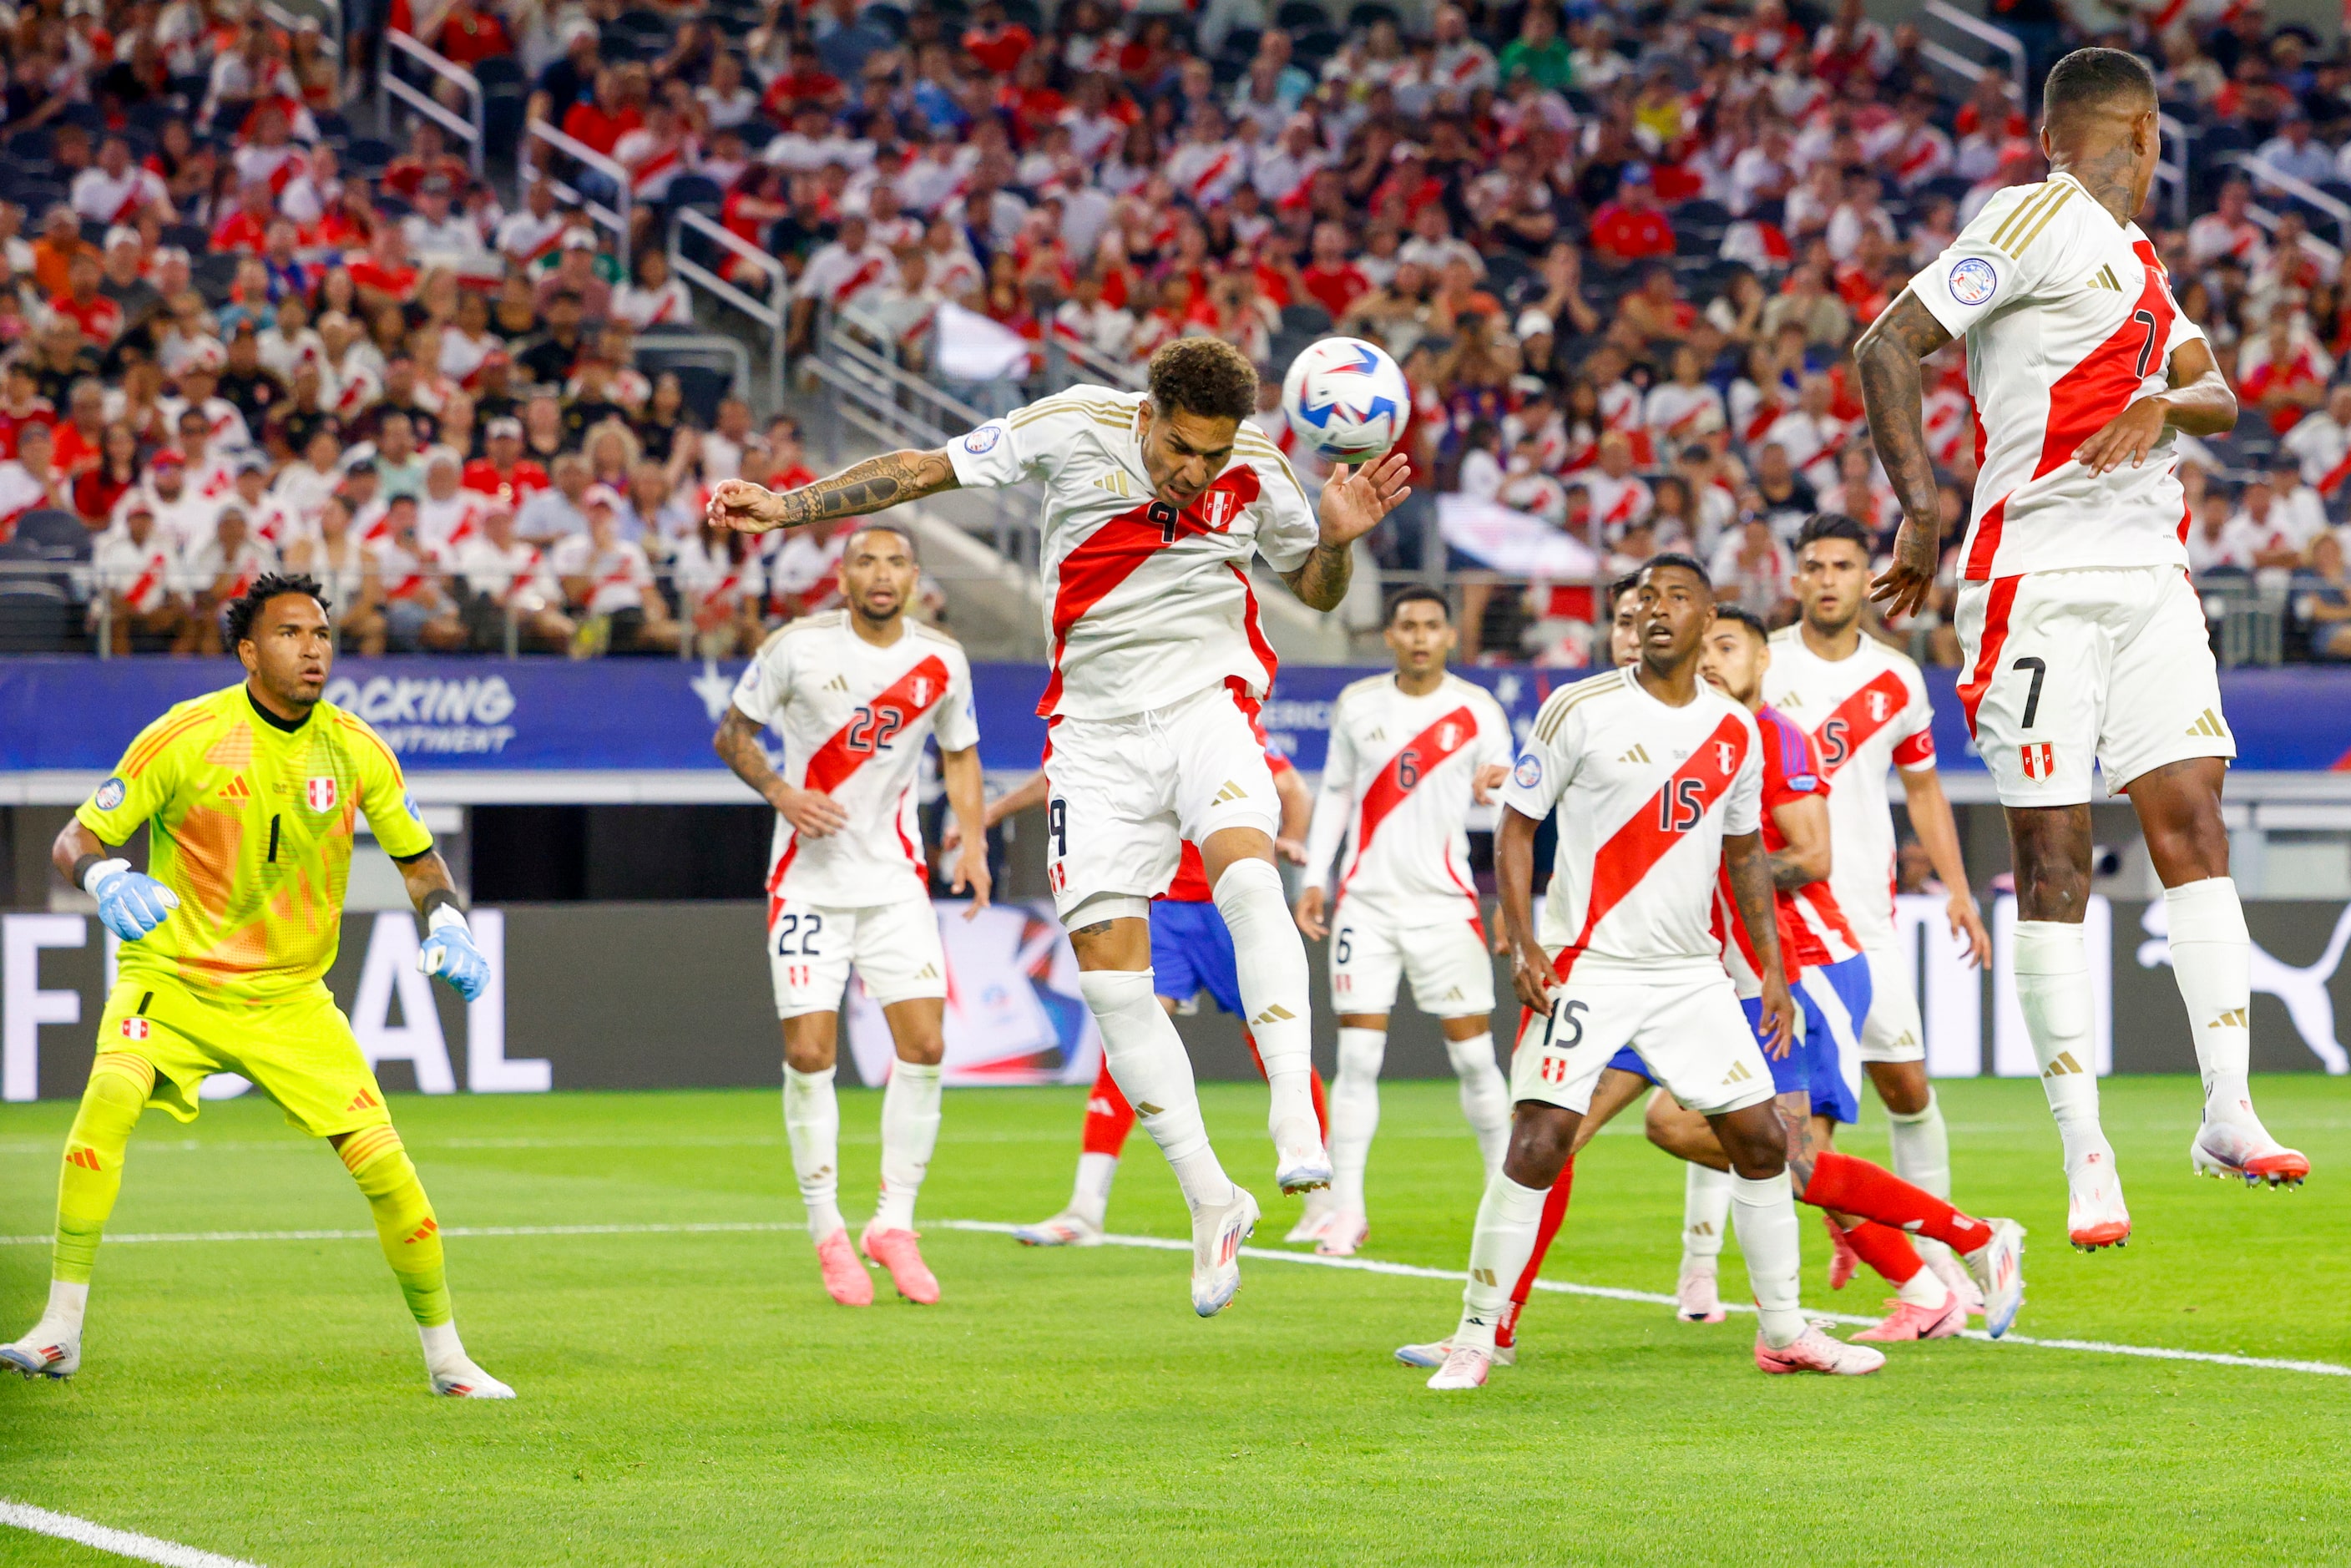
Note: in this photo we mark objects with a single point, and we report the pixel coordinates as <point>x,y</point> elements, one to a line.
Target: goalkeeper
<point>250,795</point>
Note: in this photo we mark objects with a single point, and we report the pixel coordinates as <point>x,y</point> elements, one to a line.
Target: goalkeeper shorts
<point>299,1050</point>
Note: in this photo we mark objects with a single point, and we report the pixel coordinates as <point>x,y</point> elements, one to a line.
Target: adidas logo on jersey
<point>1274,1014</point>
<point>1229,793</point>
<point>836,684</point>
<point>930,972</point>
<point>1452,995</point>
<point>2065,1064</point>
<point>1638,754</point>
<point>2208,723</point>
<point>1116,481</point>
<point>1738,1073</point>
<point>236,789</point>
<point>1792,700</point>
<point>2105,278</point>
<point>2234,1018</point>
<point>1908,1042</point>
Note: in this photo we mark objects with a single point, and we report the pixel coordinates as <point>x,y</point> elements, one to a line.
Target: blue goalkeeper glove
<point>449,952</point>
<point>130,903</point>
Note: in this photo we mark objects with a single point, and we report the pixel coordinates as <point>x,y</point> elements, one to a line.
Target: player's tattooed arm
<point>811,814</point>
<point>1323,581</point>
<point>889,480</point>
<point>1750,886</point>
<point>429,884</point>
<point>1892,391</point>
<point>1806,860</point>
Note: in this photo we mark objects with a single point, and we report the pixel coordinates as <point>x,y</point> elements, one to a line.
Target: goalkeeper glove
<point>449,952</point>
<point>130,903</point>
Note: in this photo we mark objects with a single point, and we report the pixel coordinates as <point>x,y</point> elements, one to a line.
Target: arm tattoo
<point>1099,928</point>
<point>1891,391</point>
<point>1321,582</point>
<point>1751,883</point>
<point>738,742</point>
<point>1787,872</point>
<point>869,486</point>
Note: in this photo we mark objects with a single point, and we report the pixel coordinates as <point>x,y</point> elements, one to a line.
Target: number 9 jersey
<point>854,718</point>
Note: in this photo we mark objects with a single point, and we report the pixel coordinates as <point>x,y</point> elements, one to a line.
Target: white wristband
<point>445,915</point>
<point>94,879</point>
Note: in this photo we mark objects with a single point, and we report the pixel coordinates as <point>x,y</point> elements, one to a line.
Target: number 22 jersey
<point>854,718</point>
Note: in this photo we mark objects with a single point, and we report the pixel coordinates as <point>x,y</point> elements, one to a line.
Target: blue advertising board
<point>519,714</point>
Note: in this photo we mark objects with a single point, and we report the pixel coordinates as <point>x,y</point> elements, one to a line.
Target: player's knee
<point>1542,1137</point>
<point>1361,1051</point>
<point>1753,1141</point>
<point>1903,1086</point>
<point>118,1089</point>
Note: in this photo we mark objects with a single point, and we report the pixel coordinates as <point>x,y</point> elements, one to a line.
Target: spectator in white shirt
<point>224,567</point>
<point>610,584</point>
<point>141,583</point>
<point>2210,544</point>
<point>505,578</point>
<point>1752,568</point>
<point>2300,510</point>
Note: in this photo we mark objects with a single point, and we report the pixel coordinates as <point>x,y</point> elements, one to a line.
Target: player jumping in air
<point>855,693</point>
<point>2081,636</point>
<point>1155,503</point>
<point>1408,753</point>
<point>1867,710</point>
<point>1655,778</point>
<point>250,795</point>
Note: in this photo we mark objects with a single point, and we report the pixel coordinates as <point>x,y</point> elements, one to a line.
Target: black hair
<point>1744,617</point>
<point>1418,594</point>
<point>2088,78</point>
<point>1689,563</point>
<point>1619,589</point>
<point>268,586</point>
<point>1833,526</point>
<point>1203,376</point>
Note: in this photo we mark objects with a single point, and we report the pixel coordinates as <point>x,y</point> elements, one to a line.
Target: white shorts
<point>1439,946</point>
<point>1127,792</point>
<point>896,948</point>
<point>2062,666</point>
<point>1893,1032</point>
<point>1690,1032</point>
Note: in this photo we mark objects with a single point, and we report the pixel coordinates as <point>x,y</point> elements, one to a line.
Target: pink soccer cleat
<point>1843,1259</point>
<point>1814,1351</point>
<point>896,1251</point>
<point>1465,1368</point>
<point>1344,1235</point>
<point>845,1278</point>
<point>1907,1322</point>
<point>1696,1296</point>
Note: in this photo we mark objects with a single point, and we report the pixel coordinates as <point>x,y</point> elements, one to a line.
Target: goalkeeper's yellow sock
<point>91,1176</point>
<point>404,1225</point>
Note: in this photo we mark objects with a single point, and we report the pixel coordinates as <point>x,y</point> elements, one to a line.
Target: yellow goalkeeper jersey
<point>251,825</point>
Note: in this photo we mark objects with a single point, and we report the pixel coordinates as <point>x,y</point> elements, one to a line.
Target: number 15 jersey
<point>854,718</point>
<point>1646,794</point>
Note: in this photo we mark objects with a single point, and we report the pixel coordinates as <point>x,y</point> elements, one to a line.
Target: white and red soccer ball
<point>1346,399</point>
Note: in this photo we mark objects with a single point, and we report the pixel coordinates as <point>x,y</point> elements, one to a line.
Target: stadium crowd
<point>1622,253</point>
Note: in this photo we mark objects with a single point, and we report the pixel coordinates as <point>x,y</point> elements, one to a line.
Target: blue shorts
<point>1833,1000</point>
<point>1191,952</point>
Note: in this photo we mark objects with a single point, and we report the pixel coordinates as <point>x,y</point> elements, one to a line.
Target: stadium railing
<point>688,230</point>
<point>614,216</point>
<point>2332,208</point>
<point>467,128</point>
<point>1973,30</point>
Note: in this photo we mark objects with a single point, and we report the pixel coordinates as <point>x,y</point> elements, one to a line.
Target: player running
<point>1154,502</point>
<point>250,795</point>
<point>1866,710</point>
<point>1408,753</point>
<point>855,693</point>
<point>2081,636</point>
<point>1655,778</point>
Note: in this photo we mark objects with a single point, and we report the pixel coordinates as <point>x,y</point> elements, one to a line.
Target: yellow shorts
<point>299,1051</point>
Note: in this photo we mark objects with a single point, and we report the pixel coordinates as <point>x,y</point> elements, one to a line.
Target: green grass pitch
<point>694,1398</point>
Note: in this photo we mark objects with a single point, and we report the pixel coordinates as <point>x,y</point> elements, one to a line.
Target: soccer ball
<point>1346,400</point>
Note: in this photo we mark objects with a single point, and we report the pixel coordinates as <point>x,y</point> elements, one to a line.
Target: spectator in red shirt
<point>247,229</point>
<point>98,318</point>
<point>471,35</point>
<point>1332,281</point>
<point>996,44</point>
<point>385,268</point>
<point>603,120</point>
<point>506,472</point>
<point>1633,228</point>
<point>427,155</point>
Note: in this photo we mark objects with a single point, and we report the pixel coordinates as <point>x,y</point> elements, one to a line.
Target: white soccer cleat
<point>1999,1269</point>
<point>1067,1228</point>
<point>1434,1352</point>
<point>1946,1266</point>
<point>1696,1299</point>
<point>1315,1214</point>
<point>1343,1235</point>
<point>1301,1163</point>
<point>43,1352</point>
<point>1465,1366</point>
<point>2096,1215</point>
<point>2247,1152</point>
<point>1814,1351</point>
<point>464,1380</point>
<point>1217,1238</point>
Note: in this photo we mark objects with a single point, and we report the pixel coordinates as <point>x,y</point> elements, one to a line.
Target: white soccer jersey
<point>1867,714</point>
<point>1144,605</point>
<point>854,718</point>
<point>1397,785</point>
<point>1646,794</point>
<point>2069,319</point>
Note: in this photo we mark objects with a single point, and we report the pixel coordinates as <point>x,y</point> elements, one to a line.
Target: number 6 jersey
<point>854,718</point>
<point>1646,794</point>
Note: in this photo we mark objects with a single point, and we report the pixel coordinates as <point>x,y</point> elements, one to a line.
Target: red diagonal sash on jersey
<point>1869,709</point>
<point>852,747</point>
<point>1420,756</point>
<point>2336,475</point>
<point>1111,554</point>
<point>1633,848</point>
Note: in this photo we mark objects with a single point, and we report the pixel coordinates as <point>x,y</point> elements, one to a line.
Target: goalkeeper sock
<point>1146,1057</point>
<point>404,1225</point>
<point>910,1131</point>
<point>1270,960</point>
<point>91,1176</point>
<point>813,1124</point>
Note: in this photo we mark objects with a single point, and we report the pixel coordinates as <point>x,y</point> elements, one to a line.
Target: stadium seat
<point>1365,12</point>
<point>32,623</point>
<point>370,156</point>
<point>1306,318</point>
<point>697,191</point>
<point>703,387</point>
<point>891,19</point>
<point>215,273</point>
<point>1316,46</point>
<point>1303,16</point>
<point>190,237</point>
<point>1025,14</point>
<point>60,536</point>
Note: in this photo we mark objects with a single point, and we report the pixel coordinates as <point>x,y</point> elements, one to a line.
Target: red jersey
<point>1336,288</point>
<point>513,487</point>
<point>1002,50</point>
<point>1791,772</point>
<point>1632,232</point>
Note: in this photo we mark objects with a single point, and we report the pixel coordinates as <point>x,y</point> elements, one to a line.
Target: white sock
<point>1508,1217</point>
<point>61,1319</point>
<point>1706,1214</point>
<point>1924,1289</point>
<point>2053,989</point>
<point>1271,960</point>
<point>910,1131</point>
<point>1148,1064</point>
<point>2212,961</point>
<point>1764,1212</point>
<point>443,1350</point>
<point>813,1124</point>
<point>1090,1197</point>
<point>1485,1095</point>
<point>1922,1156</point>
<point>1355,1113</point>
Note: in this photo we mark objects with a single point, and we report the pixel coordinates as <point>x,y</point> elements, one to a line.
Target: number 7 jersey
<point>854,718</point>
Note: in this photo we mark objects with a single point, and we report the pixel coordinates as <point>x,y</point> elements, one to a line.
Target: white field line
<point>119,1542</point>
<point>1164,1244</point>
